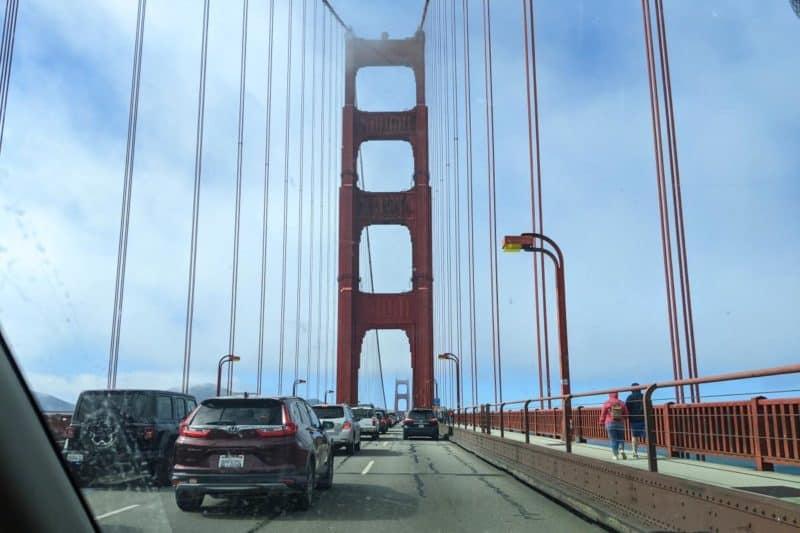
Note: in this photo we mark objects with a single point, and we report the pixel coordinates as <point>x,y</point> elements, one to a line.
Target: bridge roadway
<point>390,485</point>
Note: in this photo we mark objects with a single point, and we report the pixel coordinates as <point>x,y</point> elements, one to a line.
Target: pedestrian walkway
<point>784,486</point>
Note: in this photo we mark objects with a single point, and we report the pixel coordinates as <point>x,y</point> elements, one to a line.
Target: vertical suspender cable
<point>445,139</point>
<point>534,155</point>
<point>324,204</point>
<point>6,57</point>
<point>666,246</point>
<point>238,206</point>
<point>488,82</point>
<point>265,204</point>
<point>457,180</point>
<point>311,243</point>
<point>336,121</point>
<point>198,171</point>
<point>470,204</point>
<point>300,196</point>
<point>130,151</point>
<point>287,144</point>
<point>677,203</point>
<point>325,152</point>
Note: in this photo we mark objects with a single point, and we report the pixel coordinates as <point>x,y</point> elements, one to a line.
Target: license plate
<point>231,461</point>
<point>75,457</point>
<point>420,425</point>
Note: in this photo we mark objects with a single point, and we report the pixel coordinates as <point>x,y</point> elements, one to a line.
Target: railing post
<point>502,422</point>
<point>667,421</point>
<point>474,416</point>
<point>650,428</point>
<point>579,429</point>
<point>567,422</point>
<point>755,416</point>
<point>527,423</point>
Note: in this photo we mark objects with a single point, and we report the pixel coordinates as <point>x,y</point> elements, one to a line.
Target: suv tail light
<point>69,431</point>
<point>408,421</point>
<point>374,420</point>
<point>288,428</point>
<point>149,433</point>
<point>434,421</point>
<point>186,431</point>
<point>347,425</point>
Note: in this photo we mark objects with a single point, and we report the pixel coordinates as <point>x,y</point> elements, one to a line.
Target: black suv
<point>120,435</point>
<point>421,423</point>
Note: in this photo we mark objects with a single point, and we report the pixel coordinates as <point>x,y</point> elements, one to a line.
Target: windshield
<point>239,413</point>
<point>454,220</point>
<point>331,411</point>
<point>128,404</point>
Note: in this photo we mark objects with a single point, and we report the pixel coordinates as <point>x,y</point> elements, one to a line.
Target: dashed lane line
<point>117,511</point>
<point>367,468</point>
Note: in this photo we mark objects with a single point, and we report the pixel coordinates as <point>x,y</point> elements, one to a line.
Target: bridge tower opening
<point>410,311</point>
<point>401,392</point>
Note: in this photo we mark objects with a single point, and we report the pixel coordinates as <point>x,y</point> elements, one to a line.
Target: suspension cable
<point>336,16</point>
<point>489,90</point>
<point>130,151</point>
<point>298,309</point>
<point>457,181</point>
<point>327,166</point>
<point>324,205</point>
<point>287,143</point>
<point>311,243</point>
<point>198,171</point>
<point>238,206</point>
<point>265,203</point>
<point>470,202</point>
<point>6,57</point>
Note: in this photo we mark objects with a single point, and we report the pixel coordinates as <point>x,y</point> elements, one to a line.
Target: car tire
<point>436,436</point>
<point>188,503</point>
<point>405,436</point>
<point>358,445</point>
<point>351,448</point>
<point>375,436</point>
<point>305,499</point>
<point>164,469</point>
<point>327,481</point>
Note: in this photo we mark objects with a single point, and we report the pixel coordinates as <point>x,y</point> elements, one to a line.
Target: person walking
<point>612,415</point>
<point>635,405</point>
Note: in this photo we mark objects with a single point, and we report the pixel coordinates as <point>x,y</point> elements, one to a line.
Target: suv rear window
<point>361,412</point>
<point>128,404</point>
<point>329,411</point>
<point>239,413</point>
<point>420,414</point>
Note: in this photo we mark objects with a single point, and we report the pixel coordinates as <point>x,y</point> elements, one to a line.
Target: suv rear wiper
<point>221,423</point>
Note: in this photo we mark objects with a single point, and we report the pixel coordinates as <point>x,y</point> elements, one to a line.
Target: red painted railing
<point>763,430</point>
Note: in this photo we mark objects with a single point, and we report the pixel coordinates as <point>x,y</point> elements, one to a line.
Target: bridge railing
<point>765,431</point>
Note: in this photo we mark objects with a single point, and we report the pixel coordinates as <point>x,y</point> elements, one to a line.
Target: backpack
<point>616,412</point>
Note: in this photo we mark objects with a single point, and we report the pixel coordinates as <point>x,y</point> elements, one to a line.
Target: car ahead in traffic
<point>383,420</point>
<point>421,423</point>
<point>121,435</point>
<point>367,421</point>
<point>255,446</point>
<point>340,425</point>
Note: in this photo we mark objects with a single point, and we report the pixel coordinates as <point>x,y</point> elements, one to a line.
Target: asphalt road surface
<point>390,485</point>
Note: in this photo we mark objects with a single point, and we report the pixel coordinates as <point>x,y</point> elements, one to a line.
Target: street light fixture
<point>298,381</point>
<point>453,357</point>
<point>326,394</point>
<point>230,358</point>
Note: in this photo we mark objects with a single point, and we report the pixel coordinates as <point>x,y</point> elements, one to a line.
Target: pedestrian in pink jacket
<point>613,415</point>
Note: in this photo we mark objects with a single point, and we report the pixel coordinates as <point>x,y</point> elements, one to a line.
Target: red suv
<point>251,446</point>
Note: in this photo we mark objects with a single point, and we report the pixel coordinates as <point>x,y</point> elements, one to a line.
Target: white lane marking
<point>112,513</point>
<point>367,468</point>
<point>385,443</point>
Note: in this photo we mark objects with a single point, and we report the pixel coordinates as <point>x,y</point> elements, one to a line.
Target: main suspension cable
<point>198,171</point>
<point>324,205</point>
<point>265,204</point>
<point>130,151</point>
<point>298,309</point>
<point>6,57</point>
<point>310,323</point>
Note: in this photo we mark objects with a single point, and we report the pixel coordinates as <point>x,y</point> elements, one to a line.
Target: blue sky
<point>61,171</point>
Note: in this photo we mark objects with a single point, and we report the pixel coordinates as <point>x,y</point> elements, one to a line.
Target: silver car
<point>367,421</point>
<point>340,425</point>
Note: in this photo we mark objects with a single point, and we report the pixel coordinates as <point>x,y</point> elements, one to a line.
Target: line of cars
<point>222,447</point>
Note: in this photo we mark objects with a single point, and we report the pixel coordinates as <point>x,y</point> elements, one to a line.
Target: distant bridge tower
<point>401,395</point>
<point>410,311</point>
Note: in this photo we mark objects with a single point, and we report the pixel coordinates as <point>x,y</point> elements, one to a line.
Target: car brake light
<point>149,433</point>
<point>346,425</point>
<point>187,431</point>
<point>408,421</point>
<point>374,420</point>
<point>288,428</point>
<point>70,432</point>
<point>434,421</point>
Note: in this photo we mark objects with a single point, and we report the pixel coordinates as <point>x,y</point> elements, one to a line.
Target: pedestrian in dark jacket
<point>612,415</point>
<point>635,404</point>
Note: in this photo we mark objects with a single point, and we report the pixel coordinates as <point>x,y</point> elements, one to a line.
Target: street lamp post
<point>527,242</point>
<point>453,357</point>
<point>326,395</point>
<point>298,381</point>
<point>230,358</point>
